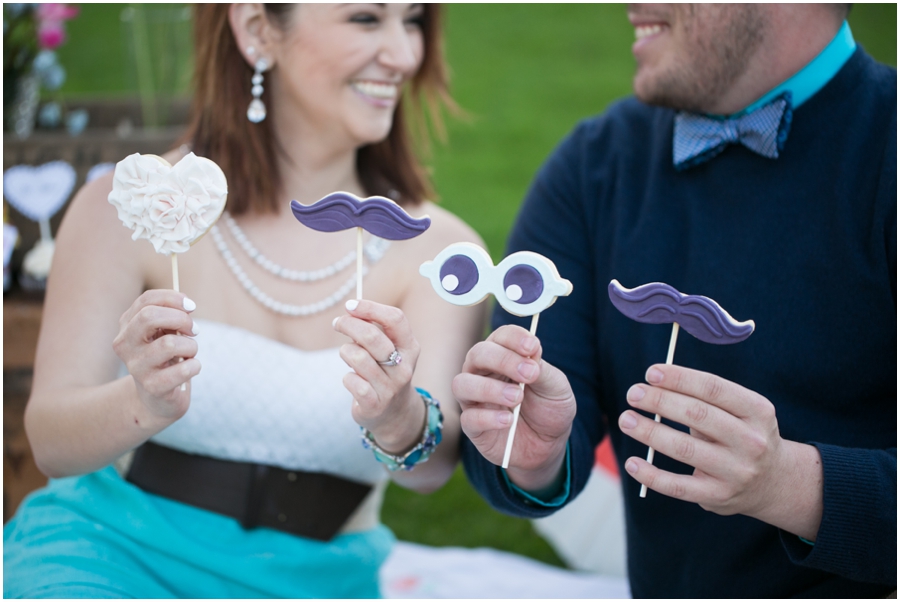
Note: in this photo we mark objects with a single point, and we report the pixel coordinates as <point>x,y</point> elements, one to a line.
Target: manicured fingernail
<point>654,376</point>
<point>189,305</point>
<point>527,370</point>
<point>511,392</point>
<point>631,466</point>
<point>351,304</point>
<point>195,328</point>
<point>504,419</point>
<point>627,420</point>
<point>635,393</point>
<point>334,322</point>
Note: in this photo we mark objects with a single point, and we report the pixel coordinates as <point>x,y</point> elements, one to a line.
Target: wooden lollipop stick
<point>44,225</point>
<point>174,257</point>
<point>175,286</point>
<point>359,263</point>
<point>657,418</point>
<point>512,429</point>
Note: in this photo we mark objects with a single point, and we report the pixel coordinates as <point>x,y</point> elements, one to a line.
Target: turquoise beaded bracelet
<point>431,437</point>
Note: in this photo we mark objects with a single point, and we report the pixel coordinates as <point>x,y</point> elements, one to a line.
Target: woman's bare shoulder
<point>91,223</point>
<point>446,227</point>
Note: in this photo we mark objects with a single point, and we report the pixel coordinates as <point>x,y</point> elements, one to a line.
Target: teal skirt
<point>99,536</point>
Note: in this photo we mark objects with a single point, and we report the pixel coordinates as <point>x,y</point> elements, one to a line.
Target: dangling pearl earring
<point>256,112</point>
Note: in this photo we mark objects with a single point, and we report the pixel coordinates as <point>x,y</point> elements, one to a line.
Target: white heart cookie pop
<point>524,283</point>
<point>172,207</point>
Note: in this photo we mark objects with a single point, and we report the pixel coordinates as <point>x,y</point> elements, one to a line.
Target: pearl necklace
<point>374,250</point>
<point>273,268</point>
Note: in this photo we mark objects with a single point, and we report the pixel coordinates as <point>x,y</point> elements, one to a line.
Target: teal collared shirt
<point>812,78</point>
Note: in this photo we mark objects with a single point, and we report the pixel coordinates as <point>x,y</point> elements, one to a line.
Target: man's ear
<point>252,30</point>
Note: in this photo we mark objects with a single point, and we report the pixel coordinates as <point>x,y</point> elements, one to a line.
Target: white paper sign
<point>39,192</point>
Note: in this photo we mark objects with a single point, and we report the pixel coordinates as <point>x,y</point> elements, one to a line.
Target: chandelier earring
<point>256,112</point>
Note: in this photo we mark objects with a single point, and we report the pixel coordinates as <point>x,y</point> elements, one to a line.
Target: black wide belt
<point>311,504</point>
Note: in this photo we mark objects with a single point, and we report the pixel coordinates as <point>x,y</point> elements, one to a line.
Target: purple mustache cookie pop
<point>378,215</point>
<point>658,303</point>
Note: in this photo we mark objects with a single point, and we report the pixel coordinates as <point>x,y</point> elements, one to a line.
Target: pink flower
<point>51,34</point>
<point>51,17</point>
<point>56,12</point>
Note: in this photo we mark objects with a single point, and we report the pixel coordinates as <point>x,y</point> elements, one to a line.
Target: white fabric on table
<point>417,571</point>
<point>589,532</point>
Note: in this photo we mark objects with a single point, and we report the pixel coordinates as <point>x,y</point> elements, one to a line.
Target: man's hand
<point>488,389</point>
<point>741,463</point>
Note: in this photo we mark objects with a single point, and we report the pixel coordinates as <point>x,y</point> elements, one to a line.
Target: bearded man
<point>756,166</point>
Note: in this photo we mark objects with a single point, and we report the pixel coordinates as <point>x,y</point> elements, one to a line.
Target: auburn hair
<point>219,130</point>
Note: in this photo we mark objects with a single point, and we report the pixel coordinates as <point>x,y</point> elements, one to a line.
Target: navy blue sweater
<point>804,245</point>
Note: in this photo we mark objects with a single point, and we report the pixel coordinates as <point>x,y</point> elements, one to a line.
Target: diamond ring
<point>394,359</point>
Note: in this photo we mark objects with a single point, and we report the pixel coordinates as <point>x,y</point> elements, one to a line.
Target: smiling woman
<point>250,479</point>
<point>316,83</point>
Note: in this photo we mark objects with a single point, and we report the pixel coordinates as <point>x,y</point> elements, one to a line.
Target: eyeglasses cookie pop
<point>524,283</point>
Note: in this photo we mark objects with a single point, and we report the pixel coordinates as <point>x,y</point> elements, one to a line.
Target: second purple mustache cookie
<point>659,303</point>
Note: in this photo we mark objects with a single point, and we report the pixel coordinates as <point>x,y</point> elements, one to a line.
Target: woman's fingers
<point>160,298</point>
<point>367,336</point>
<point>361,362</point>
<point>160,383</point>
<point>378,330</point>
<point>365,400</point>
<point>391,319</point>
<point>162,352</point>
<point>150,322</point>
<point>160,360</point>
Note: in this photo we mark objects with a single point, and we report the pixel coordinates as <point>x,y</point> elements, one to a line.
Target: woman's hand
<point>158,357</point>
<point>385,401</point>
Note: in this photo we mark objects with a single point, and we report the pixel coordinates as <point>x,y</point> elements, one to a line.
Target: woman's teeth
<point>376,90</point>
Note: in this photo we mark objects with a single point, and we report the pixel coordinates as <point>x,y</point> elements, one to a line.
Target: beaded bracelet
<point>431,437</point>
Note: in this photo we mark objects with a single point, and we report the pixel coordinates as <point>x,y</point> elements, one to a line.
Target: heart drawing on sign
<point>39,192</point>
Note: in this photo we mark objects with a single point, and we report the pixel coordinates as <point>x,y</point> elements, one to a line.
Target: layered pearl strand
<point>275,269</point>
<point>373,250</point>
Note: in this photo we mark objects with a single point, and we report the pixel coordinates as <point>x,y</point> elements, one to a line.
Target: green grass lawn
<point>526,73</point>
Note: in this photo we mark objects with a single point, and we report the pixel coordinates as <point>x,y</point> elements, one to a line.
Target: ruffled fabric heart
<point>172,207</point>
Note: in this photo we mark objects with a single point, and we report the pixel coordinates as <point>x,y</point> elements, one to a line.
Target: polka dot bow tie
<point>764,131</point>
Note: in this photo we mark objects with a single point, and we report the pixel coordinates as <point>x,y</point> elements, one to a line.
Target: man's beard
<point>712,66</point>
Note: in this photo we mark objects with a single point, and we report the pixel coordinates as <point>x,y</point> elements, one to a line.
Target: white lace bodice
<point>258,400</point>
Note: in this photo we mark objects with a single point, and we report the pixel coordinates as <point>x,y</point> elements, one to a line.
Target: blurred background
<point>116,81</point>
